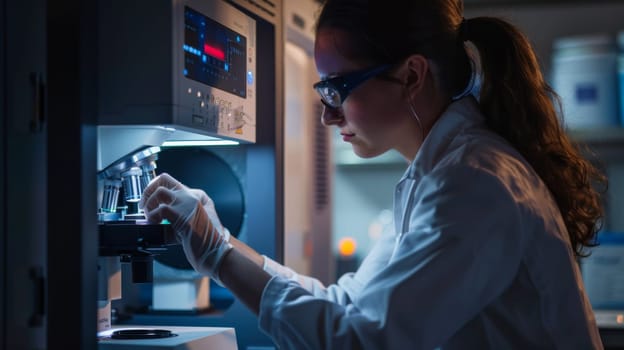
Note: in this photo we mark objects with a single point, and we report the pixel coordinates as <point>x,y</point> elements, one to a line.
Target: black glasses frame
<point>334,91</point>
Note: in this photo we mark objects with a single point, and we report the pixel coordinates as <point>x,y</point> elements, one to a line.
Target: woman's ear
<point>417,69</point>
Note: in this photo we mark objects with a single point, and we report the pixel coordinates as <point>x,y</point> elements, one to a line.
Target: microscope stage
<point>118,237</point>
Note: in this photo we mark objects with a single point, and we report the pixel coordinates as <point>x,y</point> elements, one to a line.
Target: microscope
<point>170,71</point>
<point>124,234</point>
<point>126,237</point>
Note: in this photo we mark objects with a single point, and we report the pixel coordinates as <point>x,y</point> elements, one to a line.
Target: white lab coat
<point>481,260</point>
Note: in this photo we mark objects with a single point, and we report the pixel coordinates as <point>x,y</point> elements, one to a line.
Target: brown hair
<point>514,97</point>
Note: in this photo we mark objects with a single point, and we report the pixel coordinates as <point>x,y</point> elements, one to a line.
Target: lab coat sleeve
<point>462,249</point>
<point>334,293</point>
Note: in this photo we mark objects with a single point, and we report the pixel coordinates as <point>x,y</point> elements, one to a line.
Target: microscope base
<point>187,338</point>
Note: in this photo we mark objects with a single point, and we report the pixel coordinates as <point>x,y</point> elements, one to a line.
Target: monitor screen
<point>214,54</point>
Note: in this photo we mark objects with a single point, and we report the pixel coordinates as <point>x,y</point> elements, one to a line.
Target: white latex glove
<point>193,218</point>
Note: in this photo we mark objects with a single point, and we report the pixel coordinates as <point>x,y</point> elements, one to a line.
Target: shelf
<point>612,319</point>
<point>494,3</point>
<point>607,144</point>
<point>612,135</point>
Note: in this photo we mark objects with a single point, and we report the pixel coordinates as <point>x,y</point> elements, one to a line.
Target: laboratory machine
<point>200,75</point>
<point>95,96</point>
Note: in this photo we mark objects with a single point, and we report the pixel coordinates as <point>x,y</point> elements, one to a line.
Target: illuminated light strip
<point>186,143</point>
<point>214,52</point>
<point>192,50</point>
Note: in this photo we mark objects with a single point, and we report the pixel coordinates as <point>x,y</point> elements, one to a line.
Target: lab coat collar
<point>460,115</point>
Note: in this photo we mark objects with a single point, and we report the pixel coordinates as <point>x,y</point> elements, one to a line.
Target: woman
<point>491,214</point>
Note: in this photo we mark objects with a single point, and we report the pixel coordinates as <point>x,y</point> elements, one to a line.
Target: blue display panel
<point>214,54</point>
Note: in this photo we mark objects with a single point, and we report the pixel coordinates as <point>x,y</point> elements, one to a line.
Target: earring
<point>413,110</point>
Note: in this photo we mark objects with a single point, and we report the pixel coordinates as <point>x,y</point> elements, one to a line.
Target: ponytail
<point>520,106</point>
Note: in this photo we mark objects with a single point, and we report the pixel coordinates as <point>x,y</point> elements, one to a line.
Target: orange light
<point>347,246</point>
<point>619,319</point>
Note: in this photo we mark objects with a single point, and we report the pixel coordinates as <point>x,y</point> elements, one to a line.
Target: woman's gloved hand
<point>193,218</point>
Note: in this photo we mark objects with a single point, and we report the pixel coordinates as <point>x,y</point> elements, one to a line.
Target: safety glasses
<point>335,90</point>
